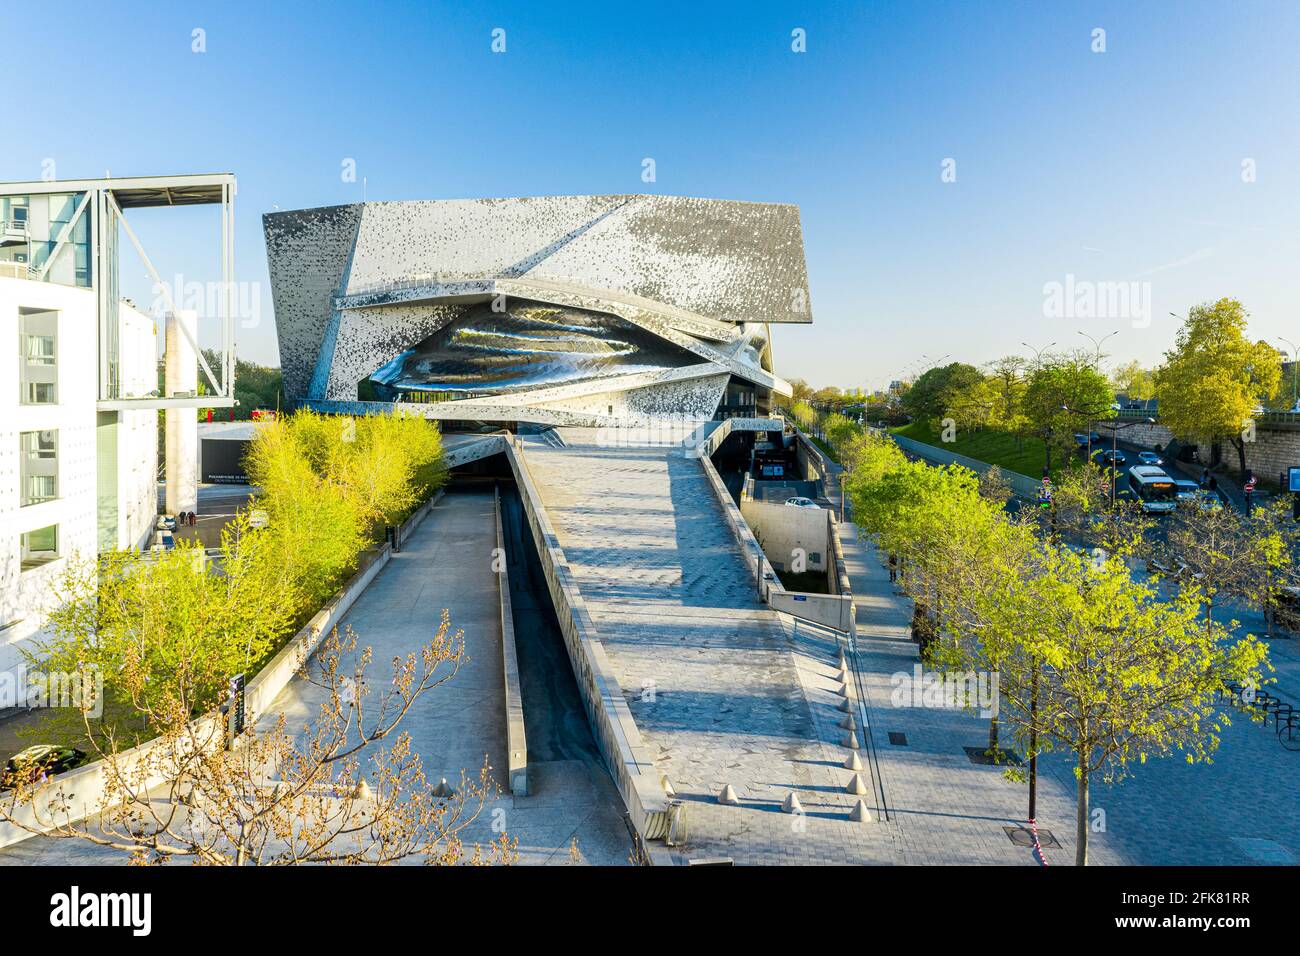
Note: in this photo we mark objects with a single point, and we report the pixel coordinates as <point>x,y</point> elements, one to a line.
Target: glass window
<point>38,358</point>
<point>40,546</point>
<point>40,466</point>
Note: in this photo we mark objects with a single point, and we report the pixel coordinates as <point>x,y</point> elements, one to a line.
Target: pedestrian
<point>1205,477</point>
<point>893,568</point>
<point>194,518</point>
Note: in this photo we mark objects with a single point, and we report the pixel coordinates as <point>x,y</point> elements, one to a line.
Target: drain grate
<point>897,739</point>
<point>1022,836</point>
<point>981,756</point>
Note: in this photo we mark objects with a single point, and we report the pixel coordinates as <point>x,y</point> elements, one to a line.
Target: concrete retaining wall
<point>516,740</point>
<point>629,760</point>
<point>832,610</point>
<point>785,531</point>
<point>84,788</point>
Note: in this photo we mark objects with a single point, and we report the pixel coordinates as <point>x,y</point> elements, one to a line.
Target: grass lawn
<point>1026,456</point>
<point>826,449</point>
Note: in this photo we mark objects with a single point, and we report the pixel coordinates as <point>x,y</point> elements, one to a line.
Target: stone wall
<point>1276,446</point>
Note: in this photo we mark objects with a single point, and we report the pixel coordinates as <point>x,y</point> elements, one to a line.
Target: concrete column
<point>181,377</point>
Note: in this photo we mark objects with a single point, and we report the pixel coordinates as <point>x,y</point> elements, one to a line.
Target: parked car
<point>165,523</point>
<point>801,503</point>
<point>1115,458</point>
<point>27,766</point>
<point>1150,458</point>
<point>1188,491</point>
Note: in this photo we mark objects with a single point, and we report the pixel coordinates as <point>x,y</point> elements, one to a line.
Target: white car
<point>801,503</point>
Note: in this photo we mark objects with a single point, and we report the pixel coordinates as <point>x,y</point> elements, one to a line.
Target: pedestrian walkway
<point>1240,809</point>
<point>446,563</point>
<point>719,690</point>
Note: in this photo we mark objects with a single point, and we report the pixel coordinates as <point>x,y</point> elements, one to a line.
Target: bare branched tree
<point>348,789</point>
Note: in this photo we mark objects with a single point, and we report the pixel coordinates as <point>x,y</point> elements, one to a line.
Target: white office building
<point>80,386</point>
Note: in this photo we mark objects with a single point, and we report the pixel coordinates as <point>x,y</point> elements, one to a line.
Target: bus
<point>1154,488</point>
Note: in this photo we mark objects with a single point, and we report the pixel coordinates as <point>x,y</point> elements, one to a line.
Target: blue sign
<point>801,597</point>
<point>1293,478</point>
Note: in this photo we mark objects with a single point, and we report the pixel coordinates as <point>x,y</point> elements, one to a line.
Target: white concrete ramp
<point>718,691</point>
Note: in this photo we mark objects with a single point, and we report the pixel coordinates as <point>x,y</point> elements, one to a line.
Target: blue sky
<point>1122,166</point>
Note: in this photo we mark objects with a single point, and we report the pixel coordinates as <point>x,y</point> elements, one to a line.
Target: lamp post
<point>1097,344</point>
<point>1092,414</point>
<point>1114,448</point>
<point>1038,353</point>
<point>1295,361</point>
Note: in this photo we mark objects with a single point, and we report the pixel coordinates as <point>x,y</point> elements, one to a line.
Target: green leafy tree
<point>1120,673</point>
<point>932,395</point>
<point>168,630</point>
<point>1134,381</point>
<point>1214,378</point>
<point>1063,394</point>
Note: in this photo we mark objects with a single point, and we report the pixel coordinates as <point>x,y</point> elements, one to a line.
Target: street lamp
<point>1092,413</point>
<point>1038,353</point>
<point>1114,447</point>
<point>1097,343</point>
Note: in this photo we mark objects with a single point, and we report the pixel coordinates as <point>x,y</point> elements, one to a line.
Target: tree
<point>800,391</point>
<point>349,789</point>
<point>804,415</point>
<point>1222,552</point>
<point>1082,511</point>
<point>1214,378</point>
<point>170,629</point>
<point>1134,381</point>
<point>1007,384</point>
<point>1120,673</point>
<point>932,395</point>
<point>1064,392</point>
<point>839,432</point>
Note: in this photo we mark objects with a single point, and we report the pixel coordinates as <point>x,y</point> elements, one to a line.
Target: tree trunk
<point>1081,815</point>
<point>993,735</point>
<point>1240,445</point>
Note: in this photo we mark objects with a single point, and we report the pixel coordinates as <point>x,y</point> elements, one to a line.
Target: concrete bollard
<point>848,723</point>
<point>846,706</point>
<point>853,762</point>
<point>850,741</point>
<point>728,796</point>
<point>860,813</point>
<point>856,786</point>
<point>791,804</point>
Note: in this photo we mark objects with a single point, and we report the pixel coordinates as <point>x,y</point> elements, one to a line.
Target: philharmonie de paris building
<point>588,311</point>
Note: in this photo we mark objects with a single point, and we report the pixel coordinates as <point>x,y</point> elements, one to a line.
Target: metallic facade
<point>583,310</point>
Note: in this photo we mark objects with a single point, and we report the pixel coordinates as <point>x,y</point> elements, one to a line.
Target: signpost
<point>235,706</point>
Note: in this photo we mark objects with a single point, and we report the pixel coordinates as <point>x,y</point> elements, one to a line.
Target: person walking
<point>893,568</point>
